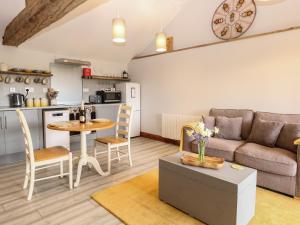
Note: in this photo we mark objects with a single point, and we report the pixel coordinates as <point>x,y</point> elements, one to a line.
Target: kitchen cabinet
<point>13,136</point>
<point>2,137</point>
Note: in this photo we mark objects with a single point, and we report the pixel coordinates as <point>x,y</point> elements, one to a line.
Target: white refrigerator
<point>131,94</point>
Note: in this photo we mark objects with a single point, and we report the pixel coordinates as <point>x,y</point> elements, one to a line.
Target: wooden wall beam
<point>221,42</point>
<point>37,15</point>
<point>28,2</point>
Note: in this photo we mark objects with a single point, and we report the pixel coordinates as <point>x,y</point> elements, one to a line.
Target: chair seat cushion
<point>50,153</point>
<point>111,140</point>
<point>220,148</point>
<point>273,160</point>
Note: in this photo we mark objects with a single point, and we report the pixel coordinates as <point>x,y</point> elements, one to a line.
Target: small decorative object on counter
<point>37,102</point>
<point>201,135</point>
<point>82,113</point>
<point>44,102</point>
<point>52,95</point>
<point>29,102</point>
<point>125,74</point>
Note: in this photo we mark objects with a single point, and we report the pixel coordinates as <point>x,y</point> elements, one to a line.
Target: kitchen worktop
<point>7,108</point>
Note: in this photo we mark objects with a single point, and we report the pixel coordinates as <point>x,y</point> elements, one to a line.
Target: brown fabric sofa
<point>278,168</point>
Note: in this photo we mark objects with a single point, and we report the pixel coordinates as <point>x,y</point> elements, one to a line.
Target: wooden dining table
<point>84,129</point>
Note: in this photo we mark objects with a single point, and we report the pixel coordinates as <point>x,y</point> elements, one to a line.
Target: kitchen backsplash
<point>37,90</point>
<point>91,86</point>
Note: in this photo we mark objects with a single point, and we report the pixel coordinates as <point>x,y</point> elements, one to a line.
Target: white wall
<point>67,79</point>
<point>260,74</point>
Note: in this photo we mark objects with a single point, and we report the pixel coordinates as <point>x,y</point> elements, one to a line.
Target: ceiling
<point>85,33</point>
<point>8,10</point>
<point>192,25</point>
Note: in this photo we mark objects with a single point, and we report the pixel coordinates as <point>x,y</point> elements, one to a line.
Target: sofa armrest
<point>297,142</point>
<point>187,140</point>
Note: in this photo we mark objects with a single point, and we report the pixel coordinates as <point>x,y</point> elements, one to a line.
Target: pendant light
<point>161,42</point>
<point>118,30</point>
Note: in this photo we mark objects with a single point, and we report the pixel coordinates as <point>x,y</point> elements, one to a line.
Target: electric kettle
<point>16,100</point>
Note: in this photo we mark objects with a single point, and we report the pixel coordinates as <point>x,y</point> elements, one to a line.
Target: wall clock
<point>233,18</point>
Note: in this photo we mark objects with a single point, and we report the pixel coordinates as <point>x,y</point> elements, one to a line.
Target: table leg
<point>85,159</point>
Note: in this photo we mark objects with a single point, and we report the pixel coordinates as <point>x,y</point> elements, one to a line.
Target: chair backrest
<point>27,136</point>
<point>124,120</point>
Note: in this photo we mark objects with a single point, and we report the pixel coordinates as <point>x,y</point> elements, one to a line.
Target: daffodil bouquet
<point>201,135</point>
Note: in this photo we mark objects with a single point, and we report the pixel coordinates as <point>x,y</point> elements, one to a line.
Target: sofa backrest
<point>287,118</point>
<point>246,114</point>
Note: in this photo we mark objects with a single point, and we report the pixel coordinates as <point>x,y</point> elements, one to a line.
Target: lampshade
<point>161,42</point>
<point>119,30</point>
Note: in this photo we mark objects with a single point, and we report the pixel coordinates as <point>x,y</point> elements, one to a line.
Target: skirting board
<point>160,138</point>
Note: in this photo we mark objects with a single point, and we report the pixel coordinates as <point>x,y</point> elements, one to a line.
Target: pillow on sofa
<point>209,122</point>
<point>229,128</point>
<point>287,136</point>
<point>265,132</point>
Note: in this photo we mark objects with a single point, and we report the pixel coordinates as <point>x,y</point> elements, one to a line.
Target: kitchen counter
<point>7,108</point>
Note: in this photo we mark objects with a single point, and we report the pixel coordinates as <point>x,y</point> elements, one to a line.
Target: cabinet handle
<point>1,123</point>
<point>5,123</point>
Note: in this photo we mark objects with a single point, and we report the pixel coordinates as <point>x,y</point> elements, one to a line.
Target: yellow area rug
<point>136,202</point>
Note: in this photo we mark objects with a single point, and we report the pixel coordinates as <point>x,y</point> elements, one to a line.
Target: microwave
<point>110,96</point>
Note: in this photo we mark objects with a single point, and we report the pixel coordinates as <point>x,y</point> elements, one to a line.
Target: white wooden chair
<point>121,138</point>
<point>42,158</point>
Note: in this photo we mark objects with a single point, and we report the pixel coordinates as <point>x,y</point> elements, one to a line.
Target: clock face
<point>233,18</point>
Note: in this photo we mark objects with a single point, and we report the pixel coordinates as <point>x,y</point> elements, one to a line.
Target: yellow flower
<point>189,133</point>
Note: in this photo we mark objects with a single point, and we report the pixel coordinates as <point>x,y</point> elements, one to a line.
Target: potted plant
<point>201,135</point>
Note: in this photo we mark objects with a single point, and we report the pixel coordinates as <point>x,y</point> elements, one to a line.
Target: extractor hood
<point>74,62</point>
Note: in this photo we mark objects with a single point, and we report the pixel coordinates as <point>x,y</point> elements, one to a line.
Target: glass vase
<point>201,151</point>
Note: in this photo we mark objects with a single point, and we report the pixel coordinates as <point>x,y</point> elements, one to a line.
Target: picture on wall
<point>233,18</point>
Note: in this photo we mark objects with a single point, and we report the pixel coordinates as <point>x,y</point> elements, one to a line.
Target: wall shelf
<point>94,77</point>
<point>26,74</point>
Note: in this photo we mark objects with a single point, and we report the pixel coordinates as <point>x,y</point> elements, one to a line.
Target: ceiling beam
<point>28,2</point>
<point>37,15</point>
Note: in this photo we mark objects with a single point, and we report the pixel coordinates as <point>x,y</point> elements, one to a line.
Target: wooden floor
<point>54,203</point>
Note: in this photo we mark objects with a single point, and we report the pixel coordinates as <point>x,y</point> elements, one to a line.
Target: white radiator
<point>172,124</point>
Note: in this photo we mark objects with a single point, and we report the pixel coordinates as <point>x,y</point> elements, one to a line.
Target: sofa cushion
<point>209,122</point>
<point>286,118</point>
<point>289,133</point>
<point>229,128</point>
<point>246,114</point>
<point>265,132</point>
<point>272,160</point>
<point>220,148</point>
